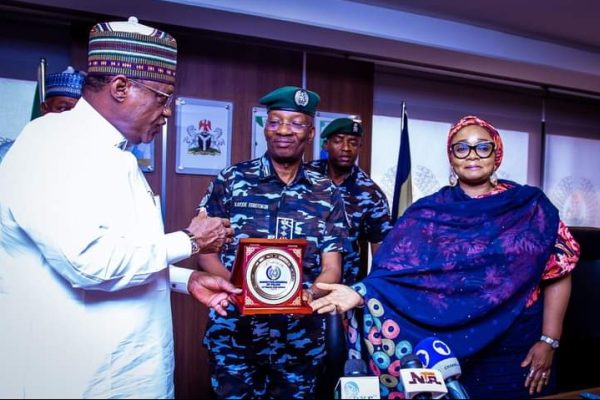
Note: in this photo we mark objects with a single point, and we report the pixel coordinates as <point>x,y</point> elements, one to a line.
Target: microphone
<point>355,367</point>
<point>357,384</point>
<point>437,355</point>
<point>411,361</point>
<point>420,383</point>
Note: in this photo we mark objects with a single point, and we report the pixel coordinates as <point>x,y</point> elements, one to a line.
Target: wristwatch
<point>195,247</point>
<point>552,342</point>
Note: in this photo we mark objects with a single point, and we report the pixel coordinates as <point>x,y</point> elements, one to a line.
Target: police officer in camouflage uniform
<point>275,196</point>
<point>369,217</point>
<point>365,203</point>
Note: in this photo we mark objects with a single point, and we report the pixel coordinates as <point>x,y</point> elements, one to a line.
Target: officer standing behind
<point>277,355</point>
<point>368,214</point>
<point>63,89</point>
<point>365,203</point>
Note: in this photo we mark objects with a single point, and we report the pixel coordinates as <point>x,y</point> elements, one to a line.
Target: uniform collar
<point>324,169</point>
<point>267,171</point>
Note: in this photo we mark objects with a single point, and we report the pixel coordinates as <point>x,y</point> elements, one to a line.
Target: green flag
<point>35,107</point>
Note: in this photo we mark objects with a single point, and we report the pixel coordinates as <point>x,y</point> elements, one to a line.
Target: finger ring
<point>544,375</point>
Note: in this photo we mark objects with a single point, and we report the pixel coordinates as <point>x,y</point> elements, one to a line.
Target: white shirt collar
<point>104,131</point>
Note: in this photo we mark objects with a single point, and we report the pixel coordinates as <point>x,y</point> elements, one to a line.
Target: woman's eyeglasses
<point>165,98</point>
<point>462,150</point>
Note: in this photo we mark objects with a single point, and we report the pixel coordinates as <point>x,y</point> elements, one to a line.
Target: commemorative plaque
<point>269,272</point>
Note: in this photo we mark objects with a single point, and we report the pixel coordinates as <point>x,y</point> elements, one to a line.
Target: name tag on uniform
<point>285,228</point>
<point>247,204</point>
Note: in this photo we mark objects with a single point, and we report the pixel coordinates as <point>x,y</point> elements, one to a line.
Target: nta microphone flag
<point>403,185</point>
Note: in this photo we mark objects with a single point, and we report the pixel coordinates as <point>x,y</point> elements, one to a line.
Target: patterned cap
<point>342,125</point>
<point>291,98</point>
<point>473,120</point>
<point>132,49</point>
<point>67,83</point>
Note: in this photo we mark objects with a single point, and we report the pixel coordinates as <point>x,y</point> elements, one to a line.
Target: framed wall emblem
<point>203,135</point>
<point>259,119</point>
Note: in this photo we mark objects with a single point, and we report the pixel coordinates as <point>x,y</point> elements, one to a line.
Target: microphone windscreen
<point>436,354</point>
<point>410,361</point>
<point>355,367</point>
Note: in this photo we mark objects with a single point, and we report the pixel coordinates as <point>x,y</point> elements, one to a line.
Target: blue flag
<point>403,185</point>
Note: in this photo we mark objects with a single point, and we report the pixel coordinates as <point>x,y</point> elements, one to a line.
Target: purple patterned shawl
<point>458,268</point>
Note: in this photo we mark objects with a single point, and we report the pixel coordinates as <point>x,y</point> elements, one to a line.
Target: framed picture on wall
<point>259,144</point>
<point>144,152</point>
<point>16,97</point>
<point>203,135</point>
<point>322,119</point>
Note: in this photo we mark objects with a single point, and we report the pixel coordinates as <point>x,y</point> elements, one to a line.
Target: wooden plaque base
<point>269,272</point>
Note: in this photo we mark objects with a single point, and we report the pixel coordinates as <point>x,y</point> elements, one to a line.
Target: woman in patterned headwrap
<point>483,264</point>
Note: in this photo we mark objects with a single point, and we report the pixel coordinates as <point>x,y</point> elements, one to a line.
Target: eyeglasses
<point>295,126</point>
<point>462,150</point>
<point>168,98</point>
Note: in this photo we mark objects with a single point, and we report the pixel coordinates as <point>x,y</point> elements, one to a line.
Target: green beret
<point>342,125</point>
<point>291,98</point>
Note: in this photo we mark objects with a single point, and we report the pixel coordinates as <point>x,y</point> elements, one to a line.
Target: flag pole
<point>402,119</point>
<point>41,78</point>
<point>402,185</point>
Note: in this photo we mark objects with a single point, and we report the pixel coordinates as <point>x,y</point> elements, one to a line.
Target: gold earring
<point>494,179</point>
<point>453,179</point>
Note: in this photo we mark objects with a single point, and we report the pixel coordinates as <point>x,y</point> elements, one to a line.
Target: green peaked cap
<point>291,98</point>
<point>342,125</point>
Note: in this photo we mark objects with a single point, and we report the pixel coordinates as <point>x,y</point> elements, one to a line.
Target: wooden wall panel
<point>345,86</point>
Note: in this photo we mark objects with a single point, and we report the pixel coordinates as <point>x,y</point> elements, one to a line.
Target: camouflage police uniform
<point>273,355</point>
<point>367,211</point>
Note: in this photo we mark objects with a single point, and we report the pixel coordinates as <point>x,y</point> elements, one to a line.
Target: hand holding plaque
<point>269,272</point>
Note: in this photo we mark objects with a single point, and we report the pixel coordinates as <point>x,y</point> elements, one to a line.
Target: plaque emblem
<point>273,276</point>
<point>273,272</point>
